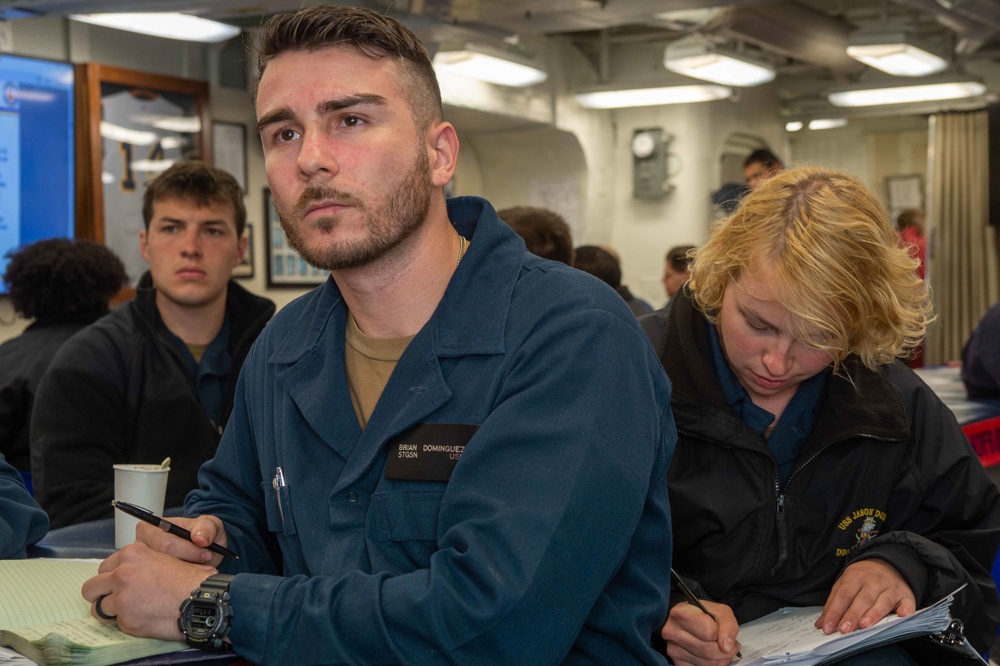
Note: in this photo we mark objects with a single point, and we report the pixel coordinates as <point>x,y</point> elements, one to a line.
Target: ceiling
<point>804,39</point>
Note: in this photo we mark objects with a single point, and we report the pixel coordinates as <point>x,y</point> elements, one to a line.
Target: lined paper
<point>43,590</point>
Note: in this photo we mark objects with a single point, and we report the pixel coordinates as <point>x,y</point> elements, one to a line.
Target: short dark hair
<point>199,183</point>
<point>370,34</point>
<point>600,263</point>
<point>59,280</point>
<point>545,232</point>
<point>911,217</point>
<point>765,157</point>
<point>678,257</point>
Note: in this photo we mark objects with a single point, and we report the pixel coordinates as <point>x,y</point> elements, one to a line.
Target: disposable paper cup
<point>143,485</point>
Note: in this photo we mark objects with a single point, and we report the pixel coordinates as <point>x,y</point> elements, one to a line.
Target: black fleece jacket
<point>119,392</point>
<point>886,473</point>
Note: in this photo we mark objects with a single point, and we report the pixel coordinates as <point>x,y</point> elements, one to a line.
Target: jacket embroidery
<point>871,521</point>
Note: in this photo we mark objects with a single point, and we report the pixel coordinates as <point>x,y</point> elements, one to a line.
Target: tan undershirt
<point>196,350</point>
<point>369,364</point>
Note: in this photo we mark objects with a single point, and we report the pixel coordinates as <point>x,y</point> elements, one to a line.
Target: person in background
<point>603,265</point>
<point>22,521</point>
<point>812,467</point>
<point>63,285</point>
<point>727,198</point>
<point>981,358</point>
<point>452,451</point>
<point>760,165</point>
<point>676,268</point>
<point>543,231</point>
<point>910,224</point>
<point>911,236</point>
<point>158,376</point>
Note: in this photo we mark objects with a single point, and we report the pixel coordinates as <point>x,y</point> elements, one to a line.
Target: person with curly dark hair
<point>64,286</point>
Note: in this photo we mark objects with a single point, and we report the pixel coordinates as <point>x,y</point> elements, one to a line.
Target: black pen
<point>148,516</point>
<point>690,597</point>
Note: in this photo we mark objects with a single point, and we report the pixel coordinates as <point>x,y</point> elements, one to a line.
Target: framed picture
<point>131,126</point>
<point>905,192</point>
<point>244,269</point>
<point>285,268</point>
<point>229,149</point>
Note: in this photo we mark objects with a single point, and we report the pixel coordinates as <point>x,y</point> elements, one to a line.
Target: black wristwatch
<point>206,616</point>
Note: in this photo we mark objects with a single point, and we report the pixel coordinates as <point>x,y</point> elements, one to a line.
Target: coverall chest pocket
<point>277,502</point>
<point>405,525</point>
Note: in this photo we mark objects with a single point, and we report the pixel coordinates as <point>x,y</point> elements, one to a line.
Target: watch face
<point>643,144</point>
<point>202,620</point>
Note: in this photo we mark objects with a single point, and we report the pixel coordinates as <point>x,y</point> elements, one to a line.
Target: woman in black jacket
<point>813,468</point>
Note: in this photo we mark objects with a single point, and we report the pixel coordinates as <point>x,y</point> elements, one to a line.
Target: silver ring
<point>100,613</point>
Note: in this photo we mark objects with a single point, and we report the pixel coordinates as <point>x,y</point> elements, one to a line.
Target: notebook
<point>43,617</point>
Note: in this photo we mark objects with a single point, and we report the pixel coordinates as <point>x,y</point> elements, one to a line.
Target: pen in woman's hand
<point>690,597</point>
<point>148,516</point>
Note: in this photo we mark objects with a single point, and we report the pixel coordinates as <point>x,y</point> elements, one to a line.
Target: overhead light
<point>183,124</point>
<point>171,25</point>
<point>121,134</point>
<point>794,126</point>
<point>651,96</point>
<point>895,51</point>
<point>827,123</point>
<point>904,94</point>
<point>151,166</point>
<point>700,58</point>
<point>491,65</point>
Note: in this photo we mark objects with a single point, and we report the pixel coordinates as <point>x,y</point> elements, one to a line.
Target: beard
<point>390,221</point>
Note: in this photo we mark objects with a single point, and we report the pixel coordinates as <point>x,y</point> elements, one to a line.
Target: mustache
<point>323,193</point>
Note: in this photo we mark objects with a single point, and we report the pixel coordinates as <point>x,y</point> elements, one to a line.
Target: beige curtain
<point>963,262</point>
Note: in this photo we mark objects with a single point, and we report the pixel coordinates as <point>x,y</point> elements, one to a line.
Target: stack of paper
<point>788,636</point>
<point>43,616</point>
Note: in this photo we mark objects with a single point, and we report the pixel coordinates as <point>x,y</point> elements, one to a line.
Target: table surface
<point>92,539</point>
<point>946,382</point>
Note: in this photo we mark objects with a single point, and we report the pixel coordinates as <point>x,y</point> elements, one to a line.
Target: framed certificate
<point>244,269</point>
<point>285,268</point>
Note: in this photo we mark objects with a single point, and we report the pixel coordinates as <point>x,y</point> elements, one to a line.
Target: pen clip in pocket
<point>278,502</point>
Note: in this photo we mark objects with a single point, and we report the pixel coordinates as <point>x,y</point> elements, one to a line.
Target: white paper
<point>788,636</point>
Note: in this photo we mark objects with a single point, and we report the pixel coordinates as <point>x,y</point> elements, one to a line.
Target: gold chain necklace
<point>461,249</point>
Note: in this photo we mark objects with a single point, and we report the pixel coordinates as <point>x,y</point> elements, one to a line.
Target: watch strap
<point>218,583</point>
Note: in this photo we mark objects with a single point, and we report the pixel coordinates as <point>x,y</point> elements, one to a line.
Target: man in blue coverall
<point>452,450</point>
<point>22,521</point>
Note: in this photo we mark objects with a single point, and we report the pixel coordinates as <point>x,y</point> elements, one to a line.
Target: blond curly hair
<point>835,258</point>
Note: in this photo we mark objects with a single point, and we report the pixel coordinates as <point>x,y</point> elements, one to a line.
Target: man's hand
<point>866,592</point>
<point>696,639</point>
<point>204,530</point>
<point>144,589</point>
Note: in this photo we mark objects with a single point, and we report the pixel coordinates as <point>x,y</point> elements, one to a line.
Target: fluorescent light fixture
<point>895,51</point>
<point>904,94</point>
<point>172,142</point>
<point>183,124</point>
<point>151,166</point>
<point>701,59</point>
<point>121,134</point>
<point>617,99</point>
<point>827,123</point>
<point>171,25</point>
<point>794,126</point>
<point>491,65</point>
